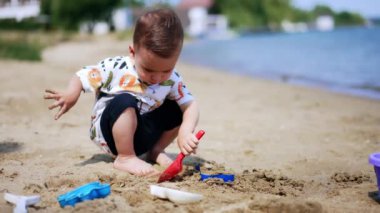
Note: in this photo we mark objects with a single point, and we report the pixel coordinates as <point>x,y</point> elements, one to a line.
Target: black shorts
<point>150,126</point>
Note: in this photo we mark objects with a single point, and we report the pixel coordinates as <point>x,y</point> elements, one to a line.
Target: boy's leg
<point>157,154</point>
<point>123,131</point>
<point>119,123</point>
<point>168,117</point>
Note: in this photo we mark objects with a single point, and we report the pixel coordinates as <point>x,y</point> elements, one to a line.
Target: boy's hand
<point>63,101</point>
<point>67,99</point>
<point>188,143</point>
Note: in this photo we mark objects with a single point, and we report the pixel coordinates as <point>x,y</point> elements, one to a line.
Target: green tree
<point>346,18</point>
<point>321,10</point>
<point>253,13</point>
<point>298,15</point>
<point>268,14</point>
<point>275,11</point>
<point>133,3</point>
<point>68,14</point>
<point>241,13</point>
<point>45,7</point>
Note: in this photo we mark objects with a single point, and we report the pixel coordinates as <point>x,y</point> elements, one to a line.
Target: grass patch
<point>29,24</point>
<point>21,45</point>
<point>125,35</point>
<point>21,50</point>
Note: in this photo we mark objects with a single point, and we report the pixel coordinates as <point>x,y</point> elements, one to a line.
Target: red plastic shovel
<point>176,166</point>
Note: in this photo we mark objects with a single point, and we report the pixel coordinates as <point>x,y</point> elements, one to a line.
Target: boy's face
<point>151,68</point>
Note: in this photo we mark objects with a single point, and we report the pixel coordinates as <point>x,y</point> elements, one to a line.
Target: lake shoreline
<point>344,60</point>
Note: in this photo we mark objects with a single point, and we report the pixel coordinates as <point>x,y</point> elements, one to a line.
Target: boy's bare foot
<point>134,165</point>
<point>161,158</point>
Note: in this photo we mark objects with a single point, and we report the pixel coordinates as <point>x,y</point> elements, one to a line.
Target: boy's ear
<point>131,51</point>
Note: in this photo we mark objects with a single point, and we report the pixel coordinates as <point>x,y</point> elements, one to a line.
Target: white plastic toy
<point>175,196</point>
<point>21,202</point>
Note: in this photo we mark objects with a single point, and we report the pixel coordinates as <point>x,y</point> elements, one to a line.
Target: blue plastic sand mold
<point>225,177</point>
<point>88,191</point>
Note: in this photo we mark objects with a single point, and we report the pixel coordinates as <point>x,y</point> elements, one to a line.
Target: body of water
<point>343,60</point>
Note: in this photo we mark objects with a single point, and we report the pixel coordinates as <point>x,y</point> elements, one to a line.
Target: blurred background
<point>332,44</point>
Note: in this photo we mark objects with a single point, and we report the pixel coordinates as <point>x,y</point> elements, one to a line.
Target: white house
<point>198,23</point>
<point>291,27</point>
<point>324,23</point>
<point>122,18</point>
<point>193,14</point>
<point>19,9</point>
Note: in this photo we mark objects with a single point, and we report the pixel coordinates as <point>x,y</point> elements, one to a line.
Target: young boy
<point>141,105</point>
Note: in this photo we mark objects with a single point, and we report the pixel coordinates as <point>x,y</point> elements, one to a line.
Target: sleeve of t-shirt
<point>94,77</point>
<point>179,91</point>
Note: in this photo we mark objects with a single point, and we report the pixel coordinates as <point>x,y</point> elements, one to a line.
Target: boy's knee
<point>127,116</point>
<point>121,104</point>
<point>124,101</point>
<point>130,111</point>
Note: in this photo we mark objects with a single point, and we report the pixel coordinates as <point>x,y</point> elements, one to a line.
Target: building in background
<point>193,14</point>
<point>122,19</point>
<point>19,9</point>
<point>291,27</point>
<point>198,23</point>
<point>324,23</point>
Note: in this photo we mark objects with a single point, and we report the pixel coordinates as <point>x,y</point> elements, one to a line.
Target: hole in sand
<point>96,159</point>
<point>9,146</point>
<point>188,160</point>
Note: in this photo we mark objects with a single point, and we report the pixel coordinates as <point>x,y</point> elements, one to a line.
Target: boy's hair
<point>160,31</point>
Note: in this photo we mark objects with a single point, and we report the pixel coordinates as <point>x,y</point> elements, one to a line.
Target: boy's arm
<point>187,140</point>
<point>65,100</point>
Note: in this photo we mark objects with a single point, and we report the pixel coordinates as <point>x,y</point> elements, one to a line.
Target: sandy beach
<point>292,149</point>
